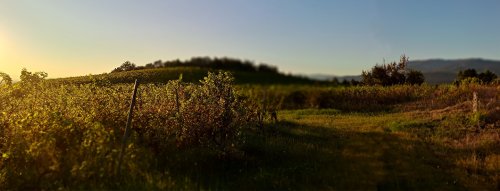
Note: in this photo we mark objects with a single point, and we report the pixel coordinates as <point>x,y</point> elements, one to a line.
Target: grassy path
<point>323,150</point>
<point>327,150</point>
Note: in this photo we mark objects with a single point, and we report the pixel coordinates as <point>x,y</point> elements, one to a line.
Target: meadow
<point>219,135</point>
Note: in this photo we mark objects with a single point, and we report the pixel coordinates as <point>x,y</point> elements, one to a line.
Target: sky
<point>73,38</point>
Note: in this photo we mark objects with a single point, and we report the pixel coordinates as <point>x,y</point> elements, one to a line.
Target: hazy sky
<point>68,38</point>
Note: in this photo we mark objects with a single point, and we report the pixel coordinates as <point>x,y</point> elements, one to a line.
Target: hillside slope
<point>445,71</point>
<point>437,71</point>
<point>189,74</point>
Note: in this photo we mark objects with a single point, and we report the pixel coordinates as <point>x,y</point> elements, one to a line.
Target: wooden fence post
<point>475,103</point>
<point>127,127</point>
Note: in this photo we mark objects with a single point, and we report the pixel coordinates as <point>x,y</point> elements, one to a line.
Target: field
<point>216,135</point>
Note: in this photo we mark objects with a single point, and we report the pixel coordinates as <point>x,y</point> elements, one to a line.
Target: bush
<point>210,114</point>
<point>392,74</point>
<point>67,136</point>
<point>5,79</point>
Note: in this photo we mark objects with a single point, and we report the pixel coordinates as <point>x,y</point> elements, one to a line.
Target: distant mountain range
<point>444,71</point>
<point>436,71</point>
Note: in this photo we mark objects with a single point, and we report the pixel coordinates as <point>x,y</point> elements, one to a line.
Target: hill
<point>436,71</point>
<point>245,72</point>
<point>445,71</point>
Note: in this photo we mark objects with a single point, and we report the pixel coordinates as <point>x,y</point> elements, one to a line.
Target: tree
<point>487,77</point>
<point>345,82</point>
<point>392,74</point>
<point>469,73</point>
<point>414,77</point>
<point>5,79</point>
<point>126,66</point>
<point>335,81</point>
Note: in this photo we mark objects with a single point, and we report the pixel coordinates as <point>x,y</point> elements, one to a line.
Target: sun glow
<point>3,49</point>
<point>3,43</point>
<point>5,53</point>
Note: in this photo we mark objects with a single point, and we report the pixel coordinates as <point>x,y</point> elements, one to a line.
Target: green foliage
<point>470,75</point>
<point>496,82</point>
<point>354,98</point>
<point>29,78</point>
<point>477,119</point>
<point>470,81</point>
<point>487,77</point>
<point>211,114</point>
<point>64,136</point>
<point>126,66</point>
<point>392,74</point>
<point>224,63</point>
<point>414,77</point>
<point>68,136</point>
<point>5,79</point>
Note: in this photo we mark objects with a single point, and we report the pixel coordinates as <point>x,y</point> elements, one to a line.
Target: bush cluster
<point>471,76</point>
<point>392,74</point>
<point>354,98</point>
<point>68,136</point>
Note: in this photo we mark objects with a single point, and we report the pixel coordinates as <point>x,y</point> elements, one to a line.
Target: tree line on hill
<point>398,73</point>
<point>203,62</point>
<point>471,75</point>
<point>394,73</point>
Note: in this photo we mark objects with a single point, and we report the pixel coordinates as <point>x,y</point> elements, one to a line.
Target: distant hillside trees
<point>126,66</point>
<point>414,77</point>
<point>486,77</point>
<point>392,74</point>
<point>204,62</point>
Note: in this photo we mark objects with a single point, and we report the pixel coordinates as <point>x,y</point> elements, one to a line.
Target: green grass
<point>328,150</point>
<point>400,151</point>
<point>66,137</point>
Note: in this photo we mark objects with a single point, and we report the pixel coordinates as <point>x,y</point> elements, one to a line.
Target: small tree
<point>414,77</point>
<point>5,79</point>
<point>392,74</point>
<point>487,77</point>
<point>469,73</point>
<point>126,66</point>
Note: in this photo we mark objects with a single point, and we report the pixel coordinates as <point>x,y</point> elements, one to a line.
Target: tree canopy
<point>5,79</point>
<point>392,74</point>
<point>486,77</point>
<point>203,62</point>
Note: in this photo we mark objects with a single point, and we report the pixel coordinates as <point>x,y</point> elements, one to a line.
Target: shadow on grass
<point>295,156</point>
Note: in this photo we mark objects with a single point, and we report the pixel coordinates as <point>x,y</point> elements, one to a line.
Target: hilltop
<point>436,71</point>
<point>445,71</point>
<point>193,70</point>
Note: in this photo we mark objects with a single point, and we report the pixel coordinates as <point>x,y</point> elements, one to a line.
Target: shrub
<point>67,136</point>
<point>5,79</point>
<point>392,74</point>
<point>211,114</point>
